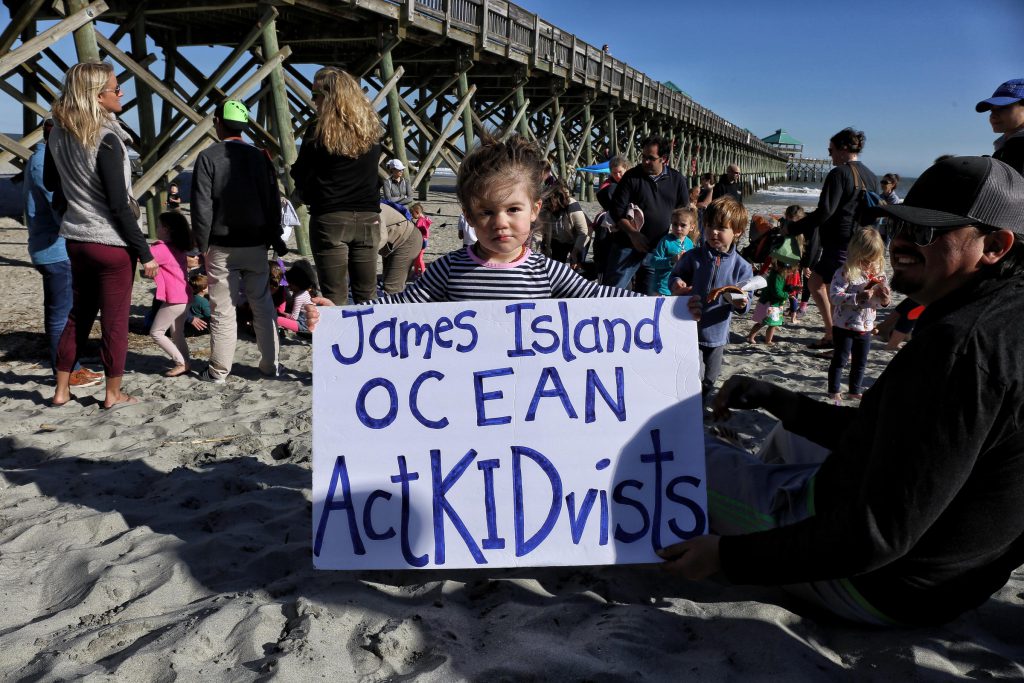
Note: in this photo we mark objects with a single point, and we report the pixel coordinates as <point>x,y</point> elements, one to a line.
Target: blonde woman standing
<point>87,160</point>
<point>336,176</point>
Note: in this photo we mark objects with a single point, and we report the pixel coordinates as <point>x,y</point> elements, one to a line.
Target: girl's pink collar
<point>487,264</point>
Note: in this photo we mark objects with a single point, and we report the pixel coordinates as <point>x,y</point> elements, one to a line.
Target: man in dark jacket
<point>1006,115</point>
<point>236,218</point>
<point>656,190</point>
<point>729,184</point>
<point>906,509</point>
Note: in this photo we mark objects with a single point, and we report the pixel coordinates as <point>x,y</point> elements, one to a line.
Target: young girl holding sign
<point>500,188</point>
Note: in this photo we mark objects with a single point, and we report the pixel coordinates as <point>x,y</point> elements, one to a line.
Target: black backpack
<point>761,248</point>
<point>867,201</point>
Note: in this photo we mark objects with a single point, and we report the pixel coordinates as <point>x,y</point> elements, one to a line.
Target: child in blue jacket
<point>716,263</point>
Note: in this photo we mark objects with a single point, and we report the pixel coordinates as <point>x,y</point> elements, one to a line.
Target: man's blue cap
<point>1007,93</point>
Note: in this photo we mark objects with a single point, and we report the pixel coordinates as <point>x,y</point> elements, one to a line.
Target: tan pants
<point>231,270</point>
<point>171,317</point>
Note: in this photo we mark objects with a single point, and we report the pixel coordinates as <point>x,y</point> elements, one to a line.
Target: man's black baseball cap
<point>964,191</point>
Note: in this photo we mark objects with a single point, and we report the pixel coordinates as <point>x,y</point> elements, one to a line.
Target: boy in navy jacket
<point>715,263</point>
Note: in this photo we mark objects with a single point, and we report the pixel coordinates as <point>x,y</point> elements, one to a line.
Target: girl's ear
<point>536,210</point>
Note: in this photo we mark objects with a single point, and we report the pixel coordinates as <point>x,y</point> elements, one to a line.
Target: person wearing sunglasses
<point>1006,115</point>
<point>906,509</point>
<point>657,190</point>
<point>833,223</point>
<point>87,163</point>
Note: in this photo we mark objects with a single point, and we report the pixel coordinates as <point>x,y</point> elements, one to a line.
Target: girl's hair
<point>301,276</point>
<point>727,212</point>
<point>557,197</point>
<point>500,164</point>
<point>893,178</point>
<point>690,212</point>
<point>866,250</point>
<point>178,229</point>
<point>416,207</point>
<point>275,273</point>
<point>77,110</point>
<point>784,267</point>
<point>346,123</point>
<point>795,212</point>
<point>849,140</point>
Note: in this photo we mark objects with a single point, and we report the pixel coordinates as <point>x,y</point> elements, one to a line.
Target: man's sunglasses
<point>922,235</point>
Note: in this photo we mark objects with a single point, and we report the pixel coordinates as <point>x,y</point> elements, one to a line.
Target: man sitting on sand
<point>915,515</point>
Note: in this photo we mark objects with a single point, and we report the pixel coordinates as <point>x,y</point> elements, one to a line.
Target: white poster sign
<point>505,433</point>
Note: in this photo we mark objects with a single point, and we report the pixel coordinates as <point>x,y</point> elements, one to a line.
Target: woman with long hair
<point>834,219</point>
<point>561,226</point>
<point>336,175</point>
<point>87,160</point>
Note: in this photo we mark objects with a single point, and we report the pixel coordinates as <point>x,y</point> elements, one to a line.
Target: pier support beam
<point>467,113</point>
<point>284,131</point>
<point>147,121</point>
<point>387,71</point>
<point>85,36</point>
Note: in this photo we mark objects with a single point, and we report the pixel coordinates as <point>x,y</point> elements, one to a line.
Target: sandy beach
<point>171,539</point>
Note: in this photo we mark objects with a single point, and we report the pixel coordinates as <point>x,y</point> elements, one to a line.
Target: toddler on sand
<point>172,290</point>
<point>858,289</point>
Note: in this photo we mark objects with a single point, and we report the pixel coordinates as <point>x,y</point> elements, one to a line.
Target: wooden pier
<point>439,71</point>
<point>811,170</point>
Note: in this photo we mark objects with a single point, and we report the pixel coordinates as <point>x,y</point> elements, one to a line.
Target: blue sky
<point>907,73</point>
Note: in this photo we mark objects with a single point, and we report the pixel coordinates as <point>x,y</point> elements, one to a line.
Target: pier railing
<point>505,29</point>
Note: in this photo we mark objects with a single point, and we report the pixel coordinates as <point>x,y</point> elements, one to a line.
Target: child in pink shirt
<point>172,289</point>
<point>301,287</point>
<point>422,222</point>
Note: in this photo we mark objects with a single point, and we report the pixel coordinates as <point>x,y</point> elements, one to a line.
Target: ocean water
<point>806,194</point>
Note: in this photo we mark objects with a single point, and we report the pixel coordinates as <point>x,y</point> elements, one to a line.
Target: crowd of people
<point>880,511</point>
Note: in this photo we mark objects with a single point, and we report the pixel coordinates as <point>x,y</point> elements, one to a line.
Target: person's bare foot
<point>176,371</point>
<point>121,400</point>
<point>58,401</point>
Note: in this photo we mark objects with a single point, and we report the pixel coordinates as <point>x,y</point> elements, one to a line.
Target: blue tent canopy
<point>598,169</point>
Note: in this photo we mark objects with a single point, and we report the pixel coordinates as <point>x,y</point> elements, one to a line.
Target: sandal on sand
<point>177,371</point>
<point>125,401</point>
<point>821,344</point>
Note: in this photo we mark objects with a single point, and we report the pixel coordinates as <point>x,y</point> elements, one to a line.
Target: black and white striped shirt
<point>460,276</point>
